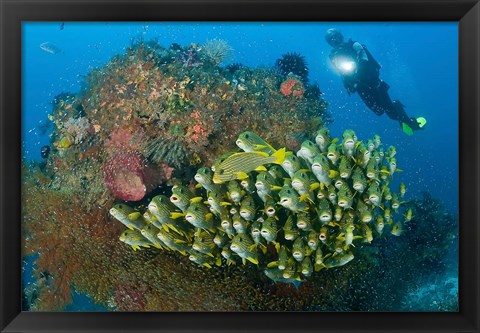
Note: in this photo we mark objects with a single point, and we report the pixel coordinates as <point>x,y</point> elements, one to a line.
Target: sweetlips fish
<point>380,224</point>
<point>308,151</point>
<point>270,209</point>
<point>321,169</point>
<point>265,184</point>
<point>220,239</point>
<point>150,232</point>
<point>220,159</point>
<point>303,184</point>
<point>248,208</point>
<point>339,260</point>
<point>290,200</point>
<point>277,171</point>
<point>162,209</point>
<point>249,141</point>
<point>304,221</point>
<point>374,194</point>
<point>332,195</point>
<point>345,197</point>
<point>239,223</point>
<point>408,215</point>
<point>367,234</point>
<point>322,139</point>
<point>269,229</point>
<point>238,165</point>
<point>324,211</point>
<point>363,212</point>
<point>228,255</point>
<point>345,168</point>
<point>290,270</point>
<point>397,229</point>
<point>290,229</point>
<point>198,215</point>
<point>277,275</point>
<point>363,155</point>
<point>227,225</point>
<point>391,152</point>
<point>248,184</point>
<point>306,267</point>
<point>204,177</point>
<point>349,142</point>
<point>332,153</point>
<point>217,201</point>
<point>291,164</point>
<point>174,241</point>
<point>244,246</point>
<point>203,242</point>
<point>181,196</point>
<point>377,141</point>
<point>359,181</point>
<point>312,240</point>
<point>299,249</point>
<point>204,260</point>
<point>403,190</point>
<point>135,239</point>
<point>129,217</point>
<point>235,192</point>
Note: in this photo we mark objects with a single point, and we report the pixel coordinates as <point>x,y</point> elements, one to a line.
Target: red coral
<point>292,86</point>
<point>124,176</point>
<point>123,139</point>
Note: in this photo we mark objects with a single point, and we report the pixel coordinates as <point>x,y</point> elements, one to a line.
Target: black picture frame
<point>14,12</point>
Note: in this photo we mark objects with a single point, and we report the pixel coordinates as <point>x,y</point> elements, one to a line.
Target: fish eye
<point>221,171</point>
<point>247,136</point>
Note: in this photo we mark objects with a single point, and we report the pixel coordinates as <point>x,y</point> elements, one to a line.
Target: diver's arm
<point>361,54</point>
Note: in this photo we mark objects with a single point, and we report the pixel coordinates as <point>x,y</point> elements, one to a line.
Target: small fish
<point>393,165</point>
<point>312,240</point>
<point>269,229</point>
<point>387,195</point>
<point>276,275</point>
<point>299,249</point>
<point>391,152</point>
<point>377,141</point>
<point>364,213</point>
<point>150,232</point>
<point>220,239</point>
<point>204,177</point>
<point>324,211</point>
<point>321,169</point>
<point>349,142</point>
<point>135,239</point>
<point>387,214</point>
<point>338,213</point>
<point>345,168</point>
<point>367,234</point>
<point>340,260</point>
<point>227,225</point>
<point>403,190</point>
<point>228,255</point>
<point>332,195</point>
<point>198,215</point>
<point>324,235</point>
<point>162,208</point>
<point>345,197</point>
<point>408,215</point>
<point>290,229</point>
<point>322,139</point>
<point>247,208</point>
<point>249,141</point>
<point>374,195</point>
<point>235,192</point>
<point>248,184</point>
<point>303,184</point>
<point>181,197</point>
<point>308,151</point>
<point>290,200</point>
<point>379,225</point>
<point>50,48</point>
<point>395,203</point>
<point>243,245</point>
<point>304,222</point>
<point>277,172</point>
<point>306,267</point>
<point>270,207</point>
<point>290,270</point>
<point>204,260</point>
<point>239,223</point>
<point>217,202</point>
<point>282,258</point>
<point>372,170</point>
<point>370,145</point>
<point>255,230</point>
<point>128,216</point>
<point>238,165</point>
<point>359,181</point>
<point>174,241</point>
<point>203,242</point>
<point>265,184</point>
<point>291,164</point>
<point>319,258</point>
<point>363,155</point>
<point>397,229</point>
<point>332,153</point>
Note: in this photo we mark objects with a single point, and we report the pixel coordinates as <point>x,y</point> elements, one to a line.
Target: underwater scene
<point>185,166</point>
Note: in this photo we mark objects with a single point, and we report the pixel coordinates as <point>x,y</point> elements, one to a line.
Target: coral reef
<point>293,63</point>
<point>216,51</point>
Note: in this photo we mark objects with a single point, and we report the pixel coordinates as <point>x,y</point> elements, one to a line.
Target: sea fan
<point>217,50</point>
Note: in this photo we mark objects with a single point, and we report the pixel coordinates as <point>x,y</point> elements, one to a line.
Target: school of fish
<point>289,214</point>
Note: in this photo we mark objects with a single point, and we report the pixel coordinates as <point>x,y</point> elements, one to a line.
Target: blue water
<point>419,62</point>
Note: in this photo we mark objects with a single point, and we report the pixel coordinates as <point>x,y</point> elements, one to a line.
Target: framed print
<point>194,166</point>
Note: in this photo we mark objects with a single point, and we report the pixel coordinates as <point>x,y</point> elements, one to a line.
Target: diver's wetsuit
<point>366,82</point>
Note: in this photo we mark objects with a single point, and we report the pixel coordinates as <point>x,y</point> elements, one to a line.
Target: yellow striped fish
<point>238,165</point>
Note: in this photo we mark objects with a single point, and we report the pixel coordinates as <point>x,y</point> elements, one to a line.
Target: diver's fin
<point>407,129</point>
<point>421,122</point>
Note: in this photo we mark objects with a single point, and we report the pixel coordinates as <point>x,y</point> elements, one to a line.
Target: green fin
<point>241,175</point>
<point>173,228</point>
<point>252,247</point>
<point>207,265</point>
<point>253,260</point>
<point>176,215</point>
<point>272,264</point>
<point>276,188</point>
<point>334,141</point>
<point>134,216</point>
<point>196,199</point>
<point>244,261</point>
<point>260,168</point>
<point>304,197</point>
<point>130,227</point>
<point>407,129</point>
<point>314,186</point>
<point>277,247</point>
<point>224,203</point>
<point>332,174</point>
<point>279,156</point>
<point>209,216</point>
<point>218,262</point>
<point>210,255</point>
<point>179,241</point>
<point>183,252</point>
<point>198,185</point>
<point>258,147</point>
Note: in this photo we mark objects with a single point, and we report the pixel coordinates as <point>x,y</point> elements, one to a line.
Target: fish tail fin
<point>279,156</point>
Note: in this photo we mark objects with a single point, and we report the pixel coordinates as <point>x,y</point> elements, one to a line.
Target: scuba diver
<point>360,73</point>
